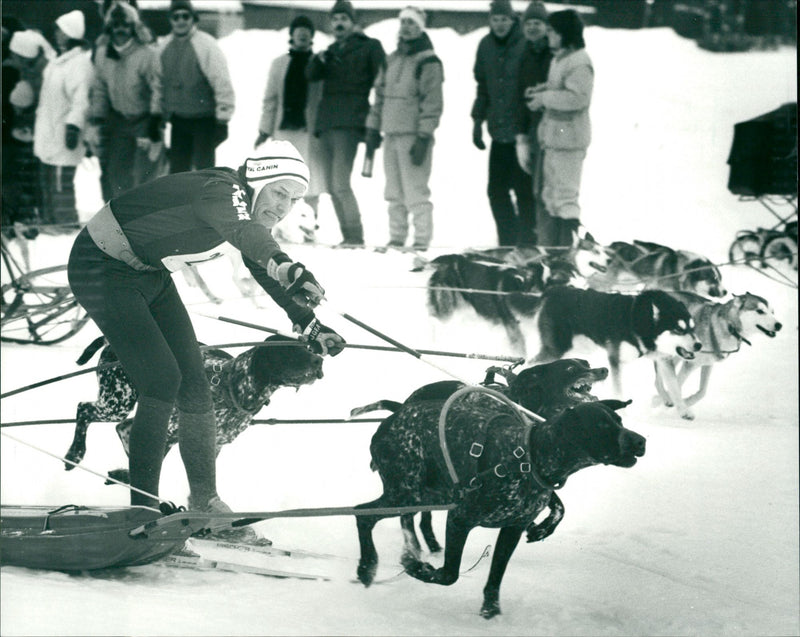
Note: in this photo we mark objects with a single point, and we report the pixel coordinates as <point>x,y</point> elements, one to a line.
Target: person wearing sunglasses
<point>198,98</point>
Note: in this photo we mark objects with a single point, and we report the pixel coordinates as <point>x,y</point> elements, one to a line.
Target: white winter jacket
<point>64,99</point>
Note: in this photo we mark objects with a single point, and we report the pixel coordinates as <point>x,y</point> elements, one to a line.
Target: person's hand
<point>93,138</point>
<point>535,103</point>
<point>320,338</point>
<point>419,150</point>
<point>262,137</point>
<point>523,148</point>
<point>220,132</point>
<point>71,136</point>
<point>299,283</point>
<point>373,140</point>
<point>477,135</point>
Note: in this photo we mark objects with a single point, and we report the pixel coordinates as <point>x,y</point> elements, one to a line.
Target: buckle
<point>525,467</point>
<point>498,468</point>
<point>215,380</point>
<point>519,452</point>
<point>474,483</point>
<point>476,450</point>
<point>217,367</point>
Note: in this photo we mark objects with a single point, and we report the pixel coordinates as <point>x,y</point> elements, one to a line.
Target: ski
<point>198,562</point>
<point>199,545</point>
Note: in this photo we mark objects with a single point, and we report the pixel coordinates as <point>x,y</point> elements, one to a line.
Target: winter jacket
<point>273,104</point>
<point>195,79</point>
<point>496,71</point>
<point>533,70</point>
<point>565,124</point>
<point>130,85</point>
<point>408,91</point>
<point>64,99</point>
<point>349,71</point>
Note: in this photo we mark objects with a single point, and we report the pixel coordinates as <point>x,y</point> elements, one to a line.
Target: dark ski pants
<point>515,224</point>
<point>148,327</point>
<point>338,148</point>
<point>192,143</point>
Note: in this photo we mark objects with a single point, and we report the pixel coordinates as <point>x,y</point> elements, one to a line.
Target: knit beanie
<point>501,7</point>
<point>22,96</point>
<point>72,24</point>
<point>535,11</point>
<point>121,13</point>
<point>182,5</point>
<point>25,44</point>
<point>279,160</point>
<point>301,21</point>
<point>344,6</point>
<point>417,14</point>
<point>569,26</point>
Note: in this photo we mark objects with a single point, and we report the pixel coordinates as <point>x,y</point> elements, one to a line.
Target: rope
<point>258,421</point>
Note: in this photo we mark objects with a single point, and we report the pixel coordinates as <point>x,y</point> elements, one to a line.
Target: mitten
<point>299,283</point>
<point>477,135</point>
<point>220,132</point>
<point>419,150</point>
<point>71,136</point>
<point>154,125</point>
<point>373,140</point>
<point>321,339</point>
<point>262,137</point>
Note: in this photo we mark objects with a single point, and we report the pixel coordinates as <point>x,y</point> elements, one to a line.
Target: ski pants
<point>505,176</point>
<point>407,191</point>
<point>338,148</point>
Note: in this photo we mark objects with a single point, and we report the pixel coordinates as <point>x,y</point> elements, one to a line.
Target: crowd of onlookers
<point>113,97</point>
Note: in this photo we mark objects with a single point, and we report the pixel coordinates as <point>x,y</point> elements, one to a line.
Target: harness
<point>240,395</point>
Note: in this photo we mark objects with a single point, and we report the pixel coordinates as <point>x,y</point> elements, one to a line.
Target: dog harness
<point>242,395</point>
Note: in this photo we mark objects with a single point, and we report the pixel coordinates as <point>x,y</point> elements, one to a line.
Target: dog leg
<point>705,375</point>
<point>410,541</point>
<point>666,369</point>
<point>538,532</point>
<point>368,562</point>
<point>453,551</point>
<point>507,541</point>
<point>194,279</point>
<point>85,415</point>
<point>426,528</point>
<point>613,364</point>
<point>663,397</point>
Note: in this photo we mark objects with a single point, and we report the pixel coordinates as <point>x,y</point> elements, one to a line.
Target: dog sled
<point>763,167</point>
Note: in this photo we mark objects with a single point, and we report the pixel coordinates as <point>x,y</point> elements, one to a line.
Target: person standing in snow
<point>198,97</point>
<point>290,104</point>
<point>120,272</point>
<point>408,106</point>
<point>565,130</point>
<point>348,68</point>
<point>61,120</point>
<point>496,72</point>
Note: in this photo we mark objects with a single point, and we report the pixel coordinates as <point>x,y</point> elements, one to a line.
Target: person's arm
<point>576,94</point>
<point>431,100</point>
<point>214,66</point>
<point>269,105</point>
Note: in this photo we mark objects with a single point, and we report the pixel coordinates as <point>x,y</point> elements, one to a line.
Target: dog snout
<point>632,443</point>
<point>697,346</point>
<point>778,326</point>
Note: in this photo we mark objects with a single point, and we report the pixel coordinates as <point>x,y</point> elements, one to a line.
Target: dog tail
<point>442,299</point>
<point>388,405</point>
<point>91,350</point>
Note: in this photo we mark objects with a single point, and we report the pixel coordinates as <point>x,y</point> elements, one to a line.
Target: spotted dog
<point>506,472</point>
<point>546,390</point>
<point>652,322</point>
<point>240,387</point>
<point>722,329</point>
<point>643,264</point>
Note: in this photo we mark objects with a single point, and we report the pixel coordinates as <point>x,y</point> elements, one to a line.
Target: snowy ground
<point>700,538</point>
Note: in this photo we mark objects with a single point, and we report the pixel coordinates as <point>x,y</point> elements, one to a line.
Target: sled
<point>79,538</point>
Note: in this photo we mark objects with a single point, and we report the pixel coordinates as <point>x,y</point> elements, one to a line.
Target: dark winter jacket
<point>349,70</point>
<point>497,74</point>
<point>533,68</point>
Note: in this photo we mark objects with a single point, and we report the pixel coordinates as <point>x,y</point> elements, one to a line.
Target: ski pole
<point>257,421</point>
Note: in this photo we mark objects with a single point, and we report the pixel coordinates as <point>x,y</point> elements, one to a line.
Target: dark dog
<point>240,387</point>
<point>546,390</point>
<point>653,323</point>
<point>653,266</point>
<point>511,468</point>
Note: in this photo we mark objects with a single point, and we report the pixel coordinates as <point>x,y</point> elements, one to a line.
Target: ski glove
<point>321,339</point>
<point>419,150</point>
<point>373,140</point>
<point>262,137</point>
<point>220,132</point>
<point>299,283</point>
<point>477,135</point>
<point>71,136</point>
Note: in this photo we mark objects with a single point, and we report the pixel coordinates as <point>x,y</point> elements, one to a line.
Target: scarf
<point>295,91</point>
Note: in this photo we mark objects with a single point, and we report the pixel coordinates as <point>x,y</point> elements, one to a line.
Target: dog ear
<point>616,405</point>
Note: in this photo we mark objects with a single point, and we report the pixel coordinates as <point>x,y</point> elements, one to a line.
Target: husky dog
<point>721,328</point>
<point>653,322</point>
<point>653,266</point>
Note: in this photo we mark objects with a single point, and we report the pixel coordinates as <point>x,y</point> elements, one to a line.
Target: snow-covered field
<point>700,538</point>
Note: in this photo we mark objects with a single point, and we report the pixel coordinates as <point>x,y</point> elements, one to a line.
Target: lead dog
<point>722,328</point>
<point>511,470</point>
<point>240,387</point>
<point>652,323</point>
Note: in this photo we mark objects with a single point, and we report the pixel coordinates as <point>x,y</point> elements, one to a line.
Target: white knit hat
<point>72,24</point>
<point>22,96</point>
<point>25,44</point>
<point>280,160</point>
<point>416,14</point>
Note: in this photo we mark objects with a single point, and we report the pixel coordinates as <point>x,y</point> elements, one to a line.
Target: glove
<point>154,125</point>
<point>419,150</point>
<point>93,138</point>
<point>220,132</point>
<point>477,135</point>
<point>299,283</point>
<point>262,137</point>
<point>320,338</point>
<point>71,136</point>
<point>373,140</point>
<point>524,154</point>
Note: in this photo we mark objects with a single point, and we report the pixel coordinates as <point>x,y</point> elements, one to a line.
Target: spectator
<point>61,120</point>
<point>290,106</point>
<point>119,270</point>
<point>348,69</point>
<point>533,69</point>
<point>198,97</point>
<point>125,102</point>
<point>565,129</point>
<point>497,74</point>
<point>408,107</point>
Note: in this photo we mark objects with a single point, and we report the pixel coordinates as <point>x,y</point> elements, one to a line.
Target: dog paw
<point>687,415</point>
<point>75,454</point>
<point>366,572</point>
<point>490,609</point>
<point>119,475</point>
<point>658,401</point>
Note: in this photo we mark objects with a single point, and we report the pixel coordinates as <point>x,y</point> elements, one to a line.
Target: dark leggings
<point>147,326</point>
